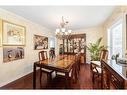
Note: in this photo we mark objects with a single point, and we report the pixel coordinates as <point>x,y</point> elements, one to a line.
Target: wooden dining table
<point>61,63</point>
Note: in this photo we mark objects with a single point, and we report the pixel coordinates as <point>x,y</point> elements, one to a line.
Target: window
<point>115,39</point>
<point>51,42</point>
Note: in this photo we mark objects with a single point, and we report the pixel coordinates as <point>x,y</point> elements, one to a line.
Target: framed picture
<point>126,33</point>
<point>12,53</point>
<point>40,42</point>
<point>0,32</point>
<point>13,34</point>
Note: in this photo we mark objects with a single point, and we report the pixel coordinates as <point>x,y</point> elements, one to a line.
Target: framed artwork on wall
<point>126,33</point>
<point>12,53</point>
<point>40,42</point>
<point>0,32</point>
<point>13,34</point>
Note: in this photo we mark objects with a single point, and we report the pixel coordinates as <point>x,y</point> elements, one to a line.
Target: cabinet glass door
<point>65,45</point>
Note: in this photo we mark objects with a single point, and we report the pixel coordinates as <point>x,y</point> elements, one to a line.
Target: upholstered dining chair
<point>43,56</point>
<point>74,73</point>
<point>77,66</point>
<point>79,60</point>
<point>96,65</point>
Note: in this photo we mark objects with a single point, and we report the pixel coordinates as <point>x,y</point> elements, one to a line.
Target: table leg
<point>67,80</point>
<point>34,76</point>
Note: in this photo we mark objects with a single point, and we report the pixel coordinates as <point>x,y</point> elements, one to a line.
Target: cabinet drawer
<point>114,79</point>
<point>117,82</point>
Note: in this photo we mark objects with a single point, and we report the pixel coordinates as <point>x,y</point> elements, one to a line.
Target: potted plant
<point>95,48</point>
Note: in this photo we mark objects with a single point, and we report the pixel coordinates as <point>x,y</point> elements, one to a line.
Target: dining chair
<point>103,55</point>
<point>96,66</point>
<point>74,72</point>
<point>52,53</point>
<point>43,56</point>
<point>76,67</point>
<point>78,60</point>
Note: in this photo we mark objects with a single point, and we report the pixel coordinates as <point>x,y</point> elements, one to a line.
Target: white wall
<point>15,69</point>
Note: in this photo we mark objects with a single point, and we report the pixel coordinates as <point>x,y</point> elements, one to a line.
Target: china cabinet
<point>74,44</point>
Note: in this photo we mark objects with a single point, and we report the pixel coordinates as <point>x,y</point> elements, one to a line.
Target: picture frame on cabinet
<point>13,34</point>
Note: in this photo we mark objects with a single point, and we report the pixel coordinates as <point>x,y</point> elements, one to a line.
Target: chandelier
<point>63,32</point>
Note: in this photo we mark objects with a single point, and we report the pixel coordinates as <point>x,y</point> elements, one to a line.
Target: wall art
<point>40,42</point>
<point>13,34</point>
<point>12,53</point>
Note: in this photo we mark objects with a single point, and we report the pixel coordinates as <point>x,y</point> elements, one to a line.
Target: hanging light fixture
<point>63,32</point>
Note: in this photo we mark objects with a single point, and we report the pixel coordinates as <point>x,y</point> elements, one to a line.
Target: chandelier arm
<point>63,33</point>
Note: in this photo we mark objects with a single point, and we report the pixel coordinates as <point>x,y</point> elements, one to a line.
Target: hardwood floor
<point>84,82</point>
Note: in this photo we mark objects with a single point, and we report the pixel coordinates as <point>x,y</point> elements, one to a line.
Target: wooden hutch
<point>76,43</point>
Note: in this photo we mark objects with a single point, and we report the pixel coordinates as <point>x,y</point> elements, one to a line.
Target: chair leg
<point>93,78</point>
<point>101,83</point>
<point>76,75</point>
<point>79,67</point>
<point>40,77</point>
<point>74,78</point>
<point>56,73</point>
<point>79,64</point>
<point>49,78</point>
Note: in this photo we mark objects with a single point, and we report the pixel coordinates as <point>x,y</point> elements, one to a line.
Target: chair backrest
<point>76,66</point>
<point>79,58</point>
<point>42,55</point>
<point>52,53</point>
<point>104,54</point>
<point>74,73</point>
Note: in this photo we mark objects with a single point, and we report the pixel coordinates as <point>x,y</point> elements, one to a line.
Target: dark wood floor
<point>84,81</point>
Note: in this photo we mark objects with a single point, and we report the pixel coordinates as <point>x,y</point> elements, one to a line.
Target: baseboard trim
<point>14,79</point>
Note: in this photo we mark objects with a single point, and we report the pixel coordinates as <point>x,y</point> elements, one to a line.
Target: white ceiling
<point>79,17</point>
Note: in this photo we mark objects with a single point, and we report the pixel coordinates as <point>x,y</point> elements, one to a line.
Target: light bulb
<point>69,31</point>
<point>57,31</point>
<point>66,33</point>
<point>63,29</point>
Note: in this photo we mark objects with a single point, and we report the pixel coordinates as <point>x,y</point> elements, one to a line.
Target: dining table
<point>60,63</point>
